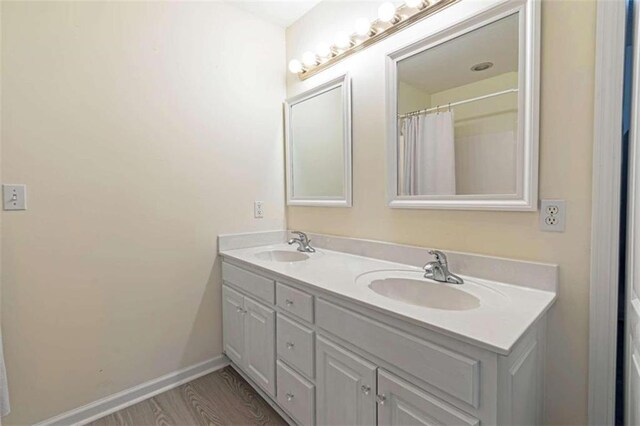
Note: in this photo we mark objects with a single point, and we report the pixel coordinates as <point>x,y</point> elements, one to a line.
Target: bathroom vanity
<point>332,338</point>
<point>354,333</point>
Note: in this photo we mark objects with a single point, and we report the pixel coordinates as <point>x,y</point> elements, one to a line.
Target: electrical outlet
<point>14,197</point>
<point>552,215</point>
<point>258,209</point>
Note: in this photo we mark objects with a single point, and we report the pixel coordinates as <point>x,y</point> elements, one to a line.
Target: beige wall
<point>565,172</point>
<point>411,99</point>
<point>492,115</point>
<point>143,131</point>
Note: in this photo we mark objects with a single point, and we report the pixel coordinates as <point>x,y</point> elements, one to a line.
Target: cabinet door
<point>346,386</point>
<point>401,403</point>
<point>233,325</point>
<point>260,344</point>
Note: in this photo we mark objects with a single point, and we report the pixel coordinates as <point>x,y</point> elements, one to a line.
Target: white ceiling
<point>281,13</point>
<point>449,64</point>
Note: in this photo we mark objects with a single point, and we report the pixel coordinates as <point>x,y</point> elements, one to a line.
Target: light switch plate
<point>14,197</point>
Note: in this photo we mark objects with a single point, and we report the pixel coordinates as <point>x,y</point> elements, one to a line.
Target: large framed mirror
<point>318,145</point>
<point>462,114</point>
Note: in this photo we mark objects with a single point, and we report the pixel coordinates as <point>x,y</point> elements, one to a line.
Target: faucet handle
<point>301,235</point>
<point>440,256</point>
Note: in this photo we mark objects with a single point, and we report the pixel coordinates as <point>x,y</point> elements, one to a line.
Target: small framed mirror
<point>462,114</point>
<point>318,145</point>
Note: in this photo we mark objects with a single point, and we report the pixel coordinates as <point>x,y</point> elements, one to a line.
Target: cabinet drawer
<point>296,395</point>
<point>261,287</point>
<point>453,373</point>
<point>295,345</point>
<point>404,404</point>
<point>295,302</point>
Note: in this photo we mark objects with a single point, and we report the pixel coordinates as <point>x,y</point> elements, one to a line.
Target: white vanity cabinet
<point>346,386</point>
<point>326,360</point>
<point>401,403</point>
<point>249,333</point>
<point>259,337</point>
<point>296,395</point>
<point>353,391</point>
<point>249,337</point>
<point>233,324</point>
<point>295,345</point>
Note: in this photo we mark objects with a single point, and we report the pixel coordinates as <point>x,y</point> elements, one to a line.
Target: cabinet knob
<point>380,399</point>
<point>289,396</point>
<point>239,309</point>
<point>365,389</point>
<point>288,302</point>
<point>290,345</point>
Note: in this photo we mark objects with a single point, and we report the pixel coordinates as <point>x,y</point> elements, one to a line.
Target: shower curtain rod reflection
<point>466,101</point>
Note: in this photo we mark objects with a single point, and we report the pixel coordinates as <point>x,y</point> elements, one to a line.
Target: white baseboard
<point>128,397</point>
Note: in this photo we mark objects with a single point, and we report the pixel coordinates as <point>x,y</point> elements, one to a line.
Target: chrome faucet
<point>438,270</point>
<point>304,244</point>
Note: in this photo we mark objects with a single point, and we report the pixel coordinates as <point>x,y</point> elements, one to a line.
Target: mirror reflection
<point>317,146</point>
<point>458,126</point>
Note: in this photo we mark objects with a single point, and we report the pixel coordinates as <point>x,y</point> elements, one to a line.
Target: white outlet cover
<point>14,197</point>
<point>553,215</point>
<point>258,209</point>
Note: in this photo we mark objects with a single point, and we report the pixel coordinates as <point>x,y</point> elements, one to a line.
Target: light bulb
<point>386,12</point>
<point>295,66</point>
<point>323,50</point>
<point>342,40</point>
<point>413,3</point>
<point>309,59</point>
<point>363,27</point>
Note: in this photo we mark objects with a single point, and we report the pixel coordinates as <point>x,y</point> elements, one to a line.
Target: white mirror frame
<point>526,197</point>
<point>345,82</point>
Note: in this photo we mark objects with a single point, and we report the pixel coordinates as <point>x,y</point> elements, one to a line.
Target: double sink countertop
<point>502,316</point>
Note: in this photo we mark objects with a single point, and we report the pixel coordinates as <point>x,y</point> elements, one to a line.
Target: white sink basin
<point>282,256</point>
<point>412,288</point>
<point>425,293</point>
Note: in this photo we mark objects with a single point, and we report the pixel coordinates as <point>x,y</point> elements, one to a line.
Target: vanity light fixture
<point>323,50</point>
<point>363,27</point>
<point>415,4</point>
<point>390,20</point>
<point>342,40</point>
<point>295,66</point>
<point>387,13</point>
<point>309,59</point>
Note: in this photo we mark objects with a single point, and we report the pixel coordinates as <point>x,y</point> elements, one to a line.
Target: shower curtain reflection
<point>427,155</point>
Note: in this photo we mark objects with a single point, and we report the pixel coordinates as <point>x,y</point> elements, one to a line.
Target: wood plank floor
<point>219,398</point>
